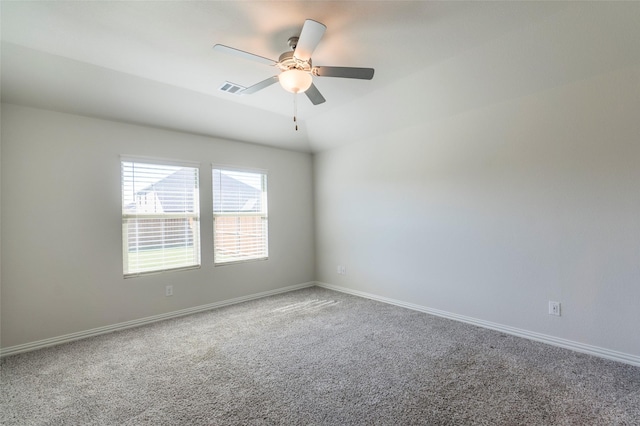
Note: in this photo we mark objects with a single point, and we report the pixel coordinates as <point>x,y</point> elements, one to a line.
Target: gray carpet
<point>314,357</point>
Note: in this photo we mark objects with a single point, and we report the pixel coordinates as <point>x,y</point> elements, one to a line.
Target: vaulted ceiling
<point>152,63</point>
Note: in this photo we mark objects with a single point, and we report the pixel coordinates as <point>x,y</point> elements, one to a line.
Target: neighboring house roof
<point>173,194</point>
<point>238,195</point>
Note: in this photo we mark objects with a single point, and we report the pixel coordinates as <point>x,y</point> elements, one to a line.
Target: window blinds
<point>160,217</point>
<point>240,216</point>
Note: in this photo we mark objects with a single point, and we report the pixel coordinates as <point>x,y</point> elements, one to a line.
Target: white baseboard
<point>551,340</point>
<point>12,350</point>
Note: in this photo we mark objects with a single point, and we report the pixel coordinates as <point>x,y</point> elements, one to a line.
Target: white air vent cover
<point>230,87</point>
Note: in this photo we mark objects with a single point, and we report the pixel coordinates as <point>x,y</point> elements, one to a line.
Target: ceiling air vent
<point>230,87</point>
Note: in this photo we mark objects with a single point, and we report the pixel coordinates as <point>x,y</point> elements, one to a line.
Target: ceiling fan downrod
<point>293,42</point>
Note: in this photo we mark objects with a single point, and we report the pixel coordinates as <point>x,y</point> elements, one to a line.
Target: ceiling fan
<point>297,70</point>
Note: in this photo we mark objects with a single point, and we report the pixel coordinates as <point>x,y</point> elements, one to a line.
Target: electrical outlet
<point>168,290</point>
<point>554,308</point>
<point>341,270</point>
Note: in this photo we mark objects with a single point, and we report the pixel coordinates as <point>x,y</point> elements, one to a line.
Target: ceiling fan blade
<point>344,72</point>
<point>312,32</point>
<point>259,86</point>
<point>243,54</point>
<point>314,95</point>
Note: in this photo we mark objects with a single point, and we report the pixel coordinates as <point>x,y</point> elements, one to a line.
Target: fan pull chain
<point>295,110</point>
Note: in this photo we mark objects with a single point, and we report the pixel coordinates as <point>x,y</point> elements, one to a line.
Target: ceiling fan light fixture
<point>295,81</point>
<point>296,68</point>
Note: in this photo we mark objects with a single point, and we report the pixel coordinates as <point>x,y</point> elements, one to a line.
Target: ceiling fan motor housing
<point>287,61</point>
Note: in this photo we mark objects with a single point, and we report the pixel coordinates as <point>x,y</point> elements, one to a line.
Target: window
<point>160,217</point>
<point>240,216</point>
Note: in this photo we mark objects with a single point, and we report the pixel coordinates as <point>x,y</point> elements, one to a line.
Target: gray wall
<point>493,212</point>
<point>61,224</point>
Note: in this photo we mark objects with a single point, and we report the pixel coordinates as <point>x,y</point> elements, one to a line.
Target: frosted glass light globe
<point>295,81</point>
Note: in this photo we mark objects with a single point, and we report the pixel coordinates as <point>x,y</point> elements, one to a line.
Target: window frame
<point>193,217</point>
<point>263,214</point>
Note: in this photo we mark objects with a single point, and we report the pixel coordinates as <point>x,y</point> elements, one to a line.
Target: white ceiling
<point>152,63</point>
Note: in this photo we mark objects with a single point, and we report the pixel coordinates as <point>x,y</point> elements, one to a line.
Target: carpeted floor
<point>314,357</point>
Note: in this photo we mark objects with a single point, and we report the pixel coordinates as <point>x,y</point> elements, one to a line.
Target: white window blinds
<point>160,217</point>
<point>240,216</point>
